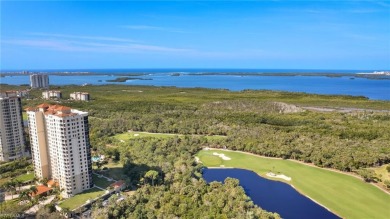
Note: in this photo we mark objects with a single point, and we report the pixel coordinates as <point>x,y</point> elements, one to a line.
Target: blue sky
<point>195,34</point>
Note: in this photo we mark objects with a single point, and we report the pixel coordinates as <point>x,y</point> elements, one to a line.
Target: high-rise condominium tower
<point>12,144</point>
<point>60,146</point>
<point>39,81</point>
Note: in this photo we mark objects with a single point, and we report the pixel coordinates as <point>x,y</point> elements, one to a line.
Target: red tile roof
<point>52,183</point>
<point>53,110</point>
<point>30,109</point>
<point>43,105</point>
<point>118,184</point>
<point>41,189</point>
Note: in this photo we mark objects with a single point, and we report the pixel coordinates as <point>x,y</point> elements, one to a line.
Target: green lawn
<point>101,181</point>
<point>114,170</point>
<point>129,135</point>
<point>25,177</point>
<point>4,180</point>
<point>80,199</point>
<point>345,195</point>
<point>24,115</point>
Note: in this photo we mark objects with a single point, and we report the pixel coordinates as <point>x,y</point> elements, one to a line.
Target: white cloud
<point>100,38</point>
<point>100,44</point>
<point>153,28</point>
<point>142,27</point>
<point>45,44</point>
<point>82,46</point>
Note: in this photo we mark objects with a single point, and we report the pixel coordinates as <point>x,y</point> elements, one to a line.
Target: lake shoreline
<point>290,182</point>
<point>269,178</point>
<point>308,164</point>
<point>275,179</point>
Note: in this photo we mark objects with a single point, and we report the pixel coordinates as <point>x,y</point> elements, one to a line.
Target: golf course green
<point>345,195</point>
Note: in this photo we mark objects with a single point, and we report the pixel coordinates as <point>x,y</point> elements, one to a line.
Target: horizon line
<point>189,68</point>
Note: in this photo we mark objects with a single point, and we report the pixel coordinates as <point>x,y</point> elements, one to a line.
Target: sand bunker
<point>197,160</point>
<point>136,135</point>
<point>281,176</point>
<point>222,156</point>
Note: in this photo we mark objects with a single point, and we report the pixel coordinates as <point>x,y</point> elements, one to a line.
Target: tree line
<point>170,185</point>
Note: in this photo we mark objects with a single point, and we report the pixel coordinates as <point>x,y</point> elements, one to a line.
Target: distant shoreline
<point>222,73</point>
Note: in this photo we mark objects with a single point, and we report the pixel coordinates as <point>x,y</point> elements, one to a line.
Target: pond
<point>96,158</point>
<point>272,195</point>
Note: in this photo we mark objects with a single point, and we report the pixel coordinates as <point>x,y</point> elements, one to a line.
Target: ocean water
<point>196,70</point>
<point>345,85</point>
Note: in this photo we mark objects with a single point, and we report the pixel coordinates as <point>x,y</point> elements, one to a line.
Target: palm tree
<point>44,181</point>
<point>33,190</point>
<point>99,164</point>
<point>7,186</point>
<point>23,195</point>
<point>151,174</point>
<point>10,186</point>
<point>66,211</point>
<point>17,183</point>
<point>35,201</point>
<point>57,191</point>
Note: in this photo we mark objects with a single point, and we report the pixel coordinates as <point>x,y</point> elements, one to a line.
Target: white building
<point>83,96</point>
<point>48,94</point>
<point>39,81</point>
<point>12,144</point>
<point>60,146</point>
<point>15,93</point>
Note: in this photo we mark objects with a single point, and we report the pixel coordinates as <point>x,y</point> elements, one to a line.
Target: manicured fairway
<point>344,195</point>
<point>129,135</point>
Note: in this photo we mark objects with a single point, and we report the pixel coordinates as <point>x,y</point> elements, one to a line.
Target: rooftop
<point>52,183</point>
<point>51,91</point>
<point>57,110</point>
<point>41,189</point>
<point>80,93</point>
<point>43,105</point>
<point>118,184</point>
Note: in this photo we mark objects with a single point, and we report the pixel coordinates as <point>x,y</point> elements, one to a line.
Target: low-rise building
<point>118,186</point>
<point>49,94</point>
<point>83,96</point>
<point>15,93</point>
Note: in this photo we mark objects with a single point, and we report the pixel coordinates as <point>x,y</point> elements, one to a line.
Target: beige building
<point>48,94</point>
<point>15,93</point>
<point>60,146</point>
<point>12,144</point>
<point>83,96</point>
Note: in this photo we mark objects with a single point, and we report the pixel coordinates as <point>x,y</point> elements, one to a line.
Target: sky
<point>195,34</point>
